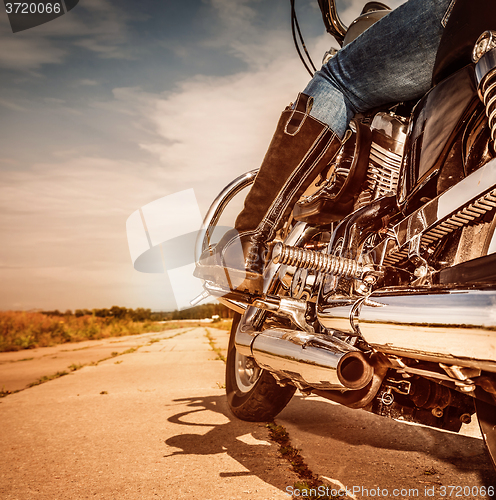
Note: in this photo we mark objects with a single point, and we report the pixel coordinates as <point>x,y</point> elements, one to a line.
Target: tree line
<point>142,314</point>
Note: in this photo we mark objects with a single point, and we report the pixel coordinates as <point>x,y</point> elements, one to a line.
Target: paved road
<point>154,424</point>
<point>364,451</point>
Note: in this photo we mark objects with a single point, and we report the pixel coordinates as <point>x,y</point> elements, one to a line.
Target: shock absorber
<point>316,261</point>
<point>484,55</point>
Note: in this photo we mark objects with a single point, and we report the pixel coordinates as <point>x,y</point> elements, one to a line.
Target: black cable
<point>303,42</point>
<point>294,23</point>
<point>294,37</point>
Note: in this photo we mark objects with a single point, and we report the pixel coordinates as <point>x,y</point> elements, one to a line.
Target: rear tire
<point>486,415</point>
<point>252,393</point>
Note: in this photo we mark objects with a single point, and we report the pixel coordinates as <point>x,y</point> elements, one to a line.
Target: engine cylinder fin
<point>383,171</point>
<point>382,153</point>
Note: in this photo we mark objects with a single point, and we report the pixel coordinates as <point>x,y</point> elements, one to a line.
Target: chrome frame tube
<point>217,208</point>
<point>337,29</point>
<point>485,64</point>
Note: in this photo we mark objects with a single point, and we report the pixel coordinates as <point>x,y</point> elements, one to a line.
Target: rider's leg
<point>390,62</point>
<point>300,148</point>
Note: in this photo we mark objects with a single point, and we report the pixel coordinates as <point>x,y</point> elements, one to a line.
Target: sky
<point>120,103</point>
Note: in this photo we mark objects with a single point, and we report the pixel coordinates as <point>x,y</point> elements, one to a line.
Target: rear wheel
<point>252,393</point>
<point>486,415</point>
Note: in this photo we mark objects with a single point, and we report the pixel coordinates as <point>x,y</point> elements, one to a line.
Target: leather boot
<point>300,149</point>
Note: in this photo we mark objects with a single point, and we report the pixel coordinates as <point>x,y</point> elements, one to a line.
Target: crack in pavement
<point>75,367</point>
<point>309,481</point>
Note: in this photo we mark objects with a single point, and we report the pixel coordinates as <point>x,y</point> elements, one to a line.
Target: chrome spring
<point>316,261</point>
<point>487,92</point>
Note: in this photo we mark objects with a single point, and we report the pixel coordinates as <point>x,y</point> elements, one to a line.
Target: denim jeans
<point>392,61</point>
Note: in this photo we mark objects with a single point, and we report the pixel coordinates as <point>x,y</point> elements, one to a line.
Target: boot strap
<point>301,110</point>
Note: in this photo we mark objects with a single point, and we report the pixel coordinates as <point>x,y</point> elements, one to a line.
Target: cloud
<point>64,225</point>
<point>25,53</point>
<point>87,81</point>
<point>12,106</point>
<point>210,129</point>
<point>64,217</point>
<point>96,25</point>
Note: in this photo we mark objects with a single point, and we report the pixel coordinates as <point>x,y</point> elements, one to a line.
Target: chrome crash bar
<point>218,207</point>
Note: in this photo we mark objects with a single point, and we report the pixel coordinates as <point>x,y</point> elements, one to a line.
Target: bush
<point>26,330</point>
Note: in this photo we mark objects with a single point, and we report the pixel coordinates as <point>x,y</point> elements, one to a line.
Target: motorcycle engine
<point>383,162</point>
<point>386,153</point>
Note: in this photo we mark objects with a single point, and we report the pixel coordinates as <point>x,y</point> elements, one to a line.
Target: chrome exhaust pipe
<point>454,326</point>
<point>451,326</point>
<point>314,360</point>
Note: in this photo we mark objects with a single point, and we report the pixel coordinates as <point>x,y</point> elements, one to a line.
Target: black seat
<point>468,19</point>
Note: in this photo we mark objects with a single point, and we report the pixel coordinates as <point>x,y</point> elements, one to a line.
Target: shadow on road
<point>223,438</point>
<point>337,426</point>
<point>360,428</point>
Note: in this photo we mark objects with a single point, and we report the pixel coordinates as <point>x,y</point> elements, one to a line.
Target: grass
<point>75,366</point>
<point>46,378</point>
<point>223,324</point>
<point>127,351</point>
<point>308,484</point>
<point>28,330</point>
<point>5,392</point>
<point>214,347</point>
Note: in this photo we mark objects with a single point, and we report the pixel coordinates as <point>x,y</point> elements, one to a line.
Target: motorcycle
<point>380,293</point>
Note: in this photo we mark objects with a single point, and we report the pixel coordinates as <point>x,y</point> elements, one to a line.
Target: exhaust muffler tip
<point>354,371</point>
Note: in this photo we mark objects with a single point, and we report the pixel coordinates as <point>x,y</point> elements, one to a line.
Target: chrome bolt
<point>421,272</point>
<point>370,279</point>
<point>387,399</point>
<point>465,387</point>
<point>484,43</point>
<point>437,412</point>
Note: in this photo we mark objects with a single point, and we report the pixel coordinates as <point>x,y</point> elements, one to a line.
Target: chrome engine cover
<point>386,153</point>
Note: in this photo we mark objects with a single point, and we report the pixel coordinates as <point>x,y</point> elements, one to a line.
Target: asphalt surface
<point>151,421</point>
<point>151,424</point>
